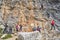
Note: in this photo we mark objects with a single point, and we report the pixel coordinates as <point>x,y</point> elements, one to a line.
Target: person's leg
<point>16,30</point>
<point>54,27</point>
<point>40,31</point>
<point>4,30</point>
<point>51,27</point>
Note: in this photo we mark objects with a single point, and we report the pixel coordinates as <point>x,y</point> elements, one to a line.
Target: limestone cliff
<point>21,11</point>
<point>28,11</point>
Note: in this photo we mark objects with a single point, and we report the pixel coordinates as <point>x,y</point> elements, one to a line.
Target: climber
<point>20,27</point>
<point>38,28</point>
<point>17,27</point>
<point>5,29</point>
<point>10,30</point>
<point>52,24</point>
<point>34,29</point>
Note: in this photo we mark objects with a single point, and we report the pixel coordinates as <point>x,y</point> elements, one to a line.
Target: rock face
<point>23,11</point>
<point>20,11</point>
<point>29,36</point>
<point>54,10</point>
<point>29,11</point>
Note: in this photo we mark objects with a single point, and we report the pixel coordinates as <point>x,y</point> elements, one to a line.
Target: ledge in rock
<point>29,35</point>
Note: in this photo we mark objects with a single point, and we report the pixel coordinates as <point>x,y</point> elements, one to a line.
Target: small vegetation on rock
<point>0,30</point>
<point>7,36</point>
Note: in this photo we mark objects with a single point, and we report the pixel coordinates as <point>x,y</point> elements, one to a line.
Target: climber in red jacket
<point>52,24</point>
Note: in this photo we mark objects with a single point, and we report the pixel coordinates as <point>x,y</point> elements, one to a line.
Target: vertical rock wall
<point>24,11</point>
<point>21,11</point>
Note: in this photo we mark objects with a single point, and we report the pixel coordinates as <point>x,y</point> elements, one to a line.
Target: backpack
<point>52,22</point>
<point>34,28</point>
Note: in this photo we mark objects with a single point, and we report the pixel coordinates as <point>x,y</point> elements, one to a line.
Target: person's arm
<point>56,25</point>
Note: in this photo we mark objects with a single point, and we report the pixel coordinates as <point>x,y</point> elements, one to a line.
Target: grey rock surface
<point>29,35</point>
<point>48,5</point>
